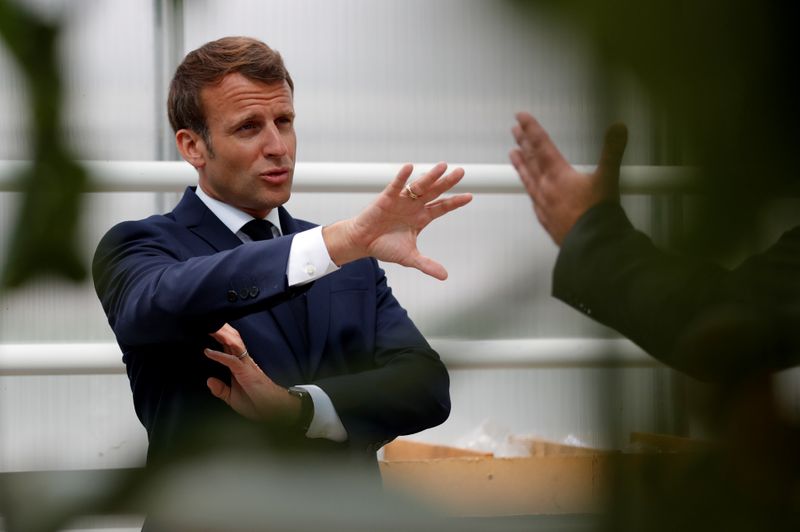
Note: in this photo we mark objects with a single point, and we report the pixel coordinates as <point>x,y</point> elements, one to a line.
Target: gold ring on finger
<point>411,194</point>
<point>240,357</point>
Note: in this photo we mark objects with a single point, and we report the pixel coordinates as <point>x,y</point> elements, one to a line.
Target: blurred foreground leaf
<point>44,238</point>
<point>720,77</point>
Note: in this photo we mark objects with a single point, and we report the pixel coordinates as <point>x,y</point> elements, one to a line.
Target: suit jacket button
<point>243,293</point>
<point>232,296</point>
<point>253,291</point>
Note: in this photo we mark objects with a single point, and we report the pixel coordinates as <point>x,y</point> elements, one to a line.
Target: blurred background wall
<point>376,81</point>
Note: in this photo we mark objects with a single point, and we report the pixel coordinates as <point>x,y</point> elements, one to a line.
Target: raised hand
<point>251,393</point>
<point>560,193</point>
<point>388,228</point>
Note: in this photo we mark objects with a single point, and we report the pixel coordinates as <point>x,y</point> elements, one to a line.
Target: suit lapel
<point>192,213</point>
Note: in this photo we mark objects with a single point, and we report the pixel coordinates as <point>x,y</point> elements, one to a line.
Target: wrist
<point>342,247</point>
<point>281,408</point>
<point>304,412</point>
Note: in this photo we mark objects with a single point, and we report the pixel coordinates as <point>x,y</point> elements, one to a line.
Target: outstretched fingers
<point>396,185</point>
<point>423,183</point>
<point>536,145</point>
<point>444,183</point>
<point>440,207</point>
<point>435,209</point>
<point>528,177</point>
<point>431,184</point>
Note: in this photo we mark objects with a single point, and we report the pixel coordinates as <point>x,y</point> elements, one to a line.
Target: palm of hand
<point>241,402</point>
<point>391,228</point>
<point>561,194</point>
<point>388,228</point>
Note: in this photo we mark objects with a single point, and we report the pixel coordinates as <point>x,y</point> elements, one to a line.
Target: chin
<point>274,201</point>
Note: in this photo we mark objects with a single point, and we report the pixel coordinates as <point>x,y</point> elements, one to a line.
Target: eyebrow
<point>248,118</point>
<point>256,117</point>
<point>234,124</point>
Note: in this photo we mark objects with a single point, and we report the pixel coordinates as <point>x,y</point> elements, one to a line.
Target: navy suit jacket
<point>168,281</point>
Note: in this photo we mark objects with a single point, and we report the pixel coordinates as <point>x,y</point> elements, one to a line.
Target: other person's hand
<point>251,393</point>
<point>388,228</point>
<point>560,193</point>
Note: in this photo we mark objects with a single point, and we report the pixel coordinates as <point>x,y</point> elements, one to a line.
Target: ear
<point>191,147</point>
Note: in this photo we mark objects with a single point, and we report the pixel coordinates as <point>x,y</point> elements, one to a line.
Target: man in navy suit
<point>348,369</point>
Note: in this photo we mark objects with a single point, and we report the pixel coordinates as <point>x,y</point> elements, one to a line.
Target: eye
<point>248,128</point>
<point>284,121</point>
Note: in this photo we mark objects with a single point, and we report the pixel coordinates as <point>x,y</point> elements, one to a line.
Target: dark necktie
<point>262,230</point>
<point>258,229</point>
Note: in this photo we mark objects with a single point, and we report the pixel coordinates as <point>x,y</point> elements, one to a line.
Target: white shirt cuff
<point>325,423</point>
<point>308,258</point>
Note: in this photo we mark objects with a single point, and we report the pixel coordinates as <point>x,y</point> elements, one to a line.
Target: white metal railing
<point>60,359</point>
<point>171,176</point>
<point>106,358</point>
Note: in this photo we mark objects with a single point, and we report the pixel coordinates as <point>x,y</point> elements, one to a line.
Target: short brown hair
<point>207,66</point>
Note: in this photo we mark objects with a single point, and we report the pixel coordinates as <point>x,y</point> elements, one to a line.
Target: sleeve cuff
<point>577,260</point>
<point>308,258</point>
<point>326,423</point>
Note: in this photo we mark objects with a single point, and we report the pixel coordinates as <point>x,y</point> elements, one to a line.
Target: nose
<point>274,145</point>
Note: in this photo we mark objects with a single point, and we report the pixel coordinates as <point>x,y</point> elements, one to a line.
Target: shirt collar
<point>232,217</point>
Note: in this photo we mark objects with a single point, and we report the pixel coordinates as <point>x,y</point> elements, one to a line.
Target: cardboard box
<point>401,449</point>
<point>555,479</point>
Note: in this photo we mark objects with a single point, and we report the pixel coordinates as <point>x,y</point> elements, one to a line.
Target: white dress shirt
<point>308,260</point>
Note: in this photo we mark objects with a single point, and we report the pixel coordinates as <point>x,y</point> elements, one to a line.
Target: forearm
<point>615,275</point>
<point>409,394</point>
<point>153,295</point>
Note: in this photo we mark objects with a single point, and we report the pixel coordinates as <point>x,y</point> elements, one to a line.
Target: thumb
<point>219,389</point>
<point>614,143</point>
<point>429,267</point>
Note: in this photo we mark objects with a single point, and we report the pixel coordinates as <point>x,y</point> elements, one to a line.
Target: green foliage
<point>44,239</point>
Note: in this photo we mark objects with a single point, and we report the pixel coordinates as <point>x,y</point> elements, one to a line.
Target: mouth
<point>276,176</point>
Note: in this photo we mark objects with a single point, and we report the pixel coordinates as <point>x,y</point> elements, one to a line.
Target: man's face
<point>249,163</point>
